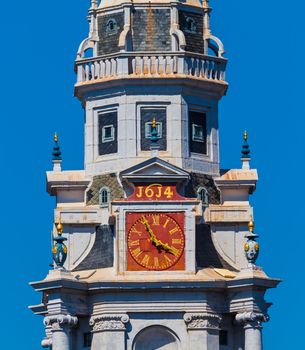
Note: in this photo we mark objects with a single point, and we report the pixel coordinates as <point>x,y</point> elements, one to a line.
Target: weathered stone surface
<point>109,39</point>
<point>206,254</point>
<point>151,30</point>
<point>101,255</point>
<point>99,181</point>
<point>206,181</point>
<point>194,35</point>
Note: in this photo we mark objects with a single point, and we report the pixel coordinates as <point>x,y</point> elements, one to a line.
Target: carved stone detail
<point>58,322</point>
<point>109,322</point>
<point>46,343</point>
<point>251,319</point>
<point>202,321</point>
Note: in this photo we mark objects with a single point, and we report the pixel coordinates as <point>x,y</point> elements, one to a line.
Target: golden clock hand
<point>151,233</point>
<point>169,249</point>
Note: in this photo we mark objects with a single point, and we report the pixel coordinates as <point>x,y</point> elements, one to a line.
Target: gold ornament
<point>54,250</point>
<point>256,247</point>
<point>247,247</point>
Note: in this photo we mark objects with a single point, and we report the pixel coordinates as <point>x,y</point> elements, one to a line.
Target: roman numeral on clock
<point>146,259</point>
<point>176,241</point>
<point>156,220</point>
<point>174,230</point>
<point>137,252</point>
<point>134,243</point>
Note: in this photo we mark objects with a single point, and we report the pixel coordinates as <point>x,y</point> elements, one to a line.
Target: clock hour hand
<point>156,241</point>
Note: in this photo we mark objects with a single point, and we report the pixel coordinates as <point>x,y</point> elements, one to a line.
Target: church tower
<point>154,245</point>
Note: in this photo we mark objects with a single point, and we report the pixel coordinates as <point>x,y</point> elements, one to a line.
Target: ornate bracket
<point>104,323</point>
<point>251,319</point>
<point>59,322</point>
<point>202,321</point>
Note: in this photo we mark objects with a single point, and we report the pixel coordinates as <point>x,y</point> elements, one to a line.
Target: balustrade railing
<point>151,65</point>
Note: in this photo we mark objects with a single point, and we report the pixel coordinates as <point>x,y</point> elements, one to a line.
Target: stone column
<point>203,330</point>
<point>109,331</point>
<point>252,323</point>
<point>60,327</point>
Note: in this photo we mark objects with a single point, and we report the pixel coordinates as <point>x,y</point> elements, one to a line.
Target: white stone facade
<point>216,301</point>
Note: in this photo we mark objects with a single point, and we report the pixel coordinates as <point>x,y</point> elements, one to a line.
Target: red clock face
<point>155,241</point>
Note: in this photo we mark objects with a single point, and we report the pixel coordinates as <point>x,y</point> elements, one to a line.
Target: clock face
<point>155,241</point>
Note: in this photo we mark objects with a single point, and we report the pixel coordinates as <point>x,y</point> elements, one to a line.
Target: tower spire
<point>154,147</point>
<point>245,153</point>
<point>57,160</point>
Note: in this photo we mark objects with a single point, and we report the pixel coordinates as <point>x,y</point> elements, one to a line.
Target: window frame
<point>103,204</point>
<point>201,189</point>
<point>112,137</point>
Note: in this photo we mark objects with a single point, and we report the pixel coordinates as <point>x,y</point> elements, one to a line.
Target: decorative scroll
<point>202,321</point>
<point>109,323</point>
<point>251,319</point>
<point>58,322</point>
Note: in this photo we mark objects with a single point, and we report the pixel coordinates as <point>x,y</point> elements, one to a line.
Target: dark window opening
<point>104,196</point>
<point>108,141</point>
<point>190,25</point>
<point>198,132</point>
<point>203,195</point>
<point>87,340</point>
<point>111,26</point>
<point>223,338</point>
<point>147,116</point>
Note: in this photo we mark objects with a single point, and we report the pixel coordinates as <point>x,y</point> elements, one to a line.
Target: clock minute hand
<point>151,233</point>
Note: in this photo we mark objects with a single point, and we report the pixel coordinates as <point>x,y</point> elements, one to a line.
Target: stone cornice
<point>102,323</point>
<point>200,321</point>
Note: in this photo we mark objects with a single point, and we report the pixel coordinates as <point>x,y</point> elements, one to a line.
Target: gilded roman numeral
<point>176,241</point>
<point>156,220</point>
<point>166,223</point>
<point>137,252</point>
<point>174,230</point>
<point>134,243</point>
<point>145,260</point>
<point>156,262</point>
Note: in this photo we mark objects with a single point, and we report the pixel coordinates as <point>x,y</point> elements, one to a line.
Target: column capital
<point>199,321</point>
<point>251,319</point>
<point>58,322</point>
<point>101,323</point>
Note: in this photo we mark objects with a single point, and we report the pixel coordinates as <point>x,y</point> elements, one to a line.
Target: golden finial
<point>245,135</point>
<point>154,123</point>
<point>59,227</point>
<point>251,225</point>
<point>55,137</point>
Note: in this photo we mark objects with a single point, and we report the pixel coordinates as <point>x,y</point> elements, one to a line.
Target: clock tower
<point>154,244</point>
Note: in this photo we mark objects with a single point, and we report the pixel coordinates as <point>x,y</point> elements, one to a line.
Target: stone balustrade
<point>173,64</point>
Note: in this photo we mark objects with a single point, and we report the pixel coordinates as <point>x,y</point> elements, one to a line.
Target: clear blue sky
<point>264,42</point>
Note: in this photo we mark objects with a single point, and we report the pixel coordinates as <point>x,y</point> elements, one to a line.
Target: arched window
<point>104,196</point>
<point>191,26</point>
<point>111,26</point>
<point>203,195</point>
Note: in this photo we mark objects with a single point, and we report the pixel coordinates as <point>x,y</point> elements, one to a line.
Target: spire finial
<point>59,227</point>
<point>245,135</point>
<point>56,155</point>
<point>154,147</point>
<point>245,152</point>
<point>251,225</point>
